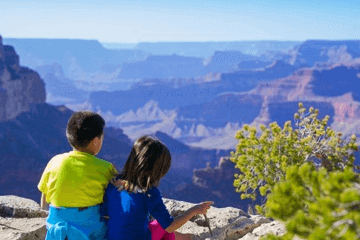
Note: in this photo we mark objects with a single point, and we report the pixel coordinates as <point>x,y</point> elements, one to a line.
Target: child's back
<point>75,179</point>
<point>129,218</point>
<point>74,182</point>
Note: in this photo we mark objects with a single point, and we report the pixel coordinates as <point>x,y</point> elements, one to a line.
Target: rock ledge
<point>22,219</point>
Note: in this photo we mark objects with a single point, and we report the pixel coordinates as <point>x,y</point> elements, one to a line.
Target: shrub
<point>317,204</point>
<point>263,159</point>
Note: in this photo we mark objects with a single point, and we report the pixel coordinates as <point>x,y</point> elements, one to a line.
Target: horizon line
<point>207,41</point>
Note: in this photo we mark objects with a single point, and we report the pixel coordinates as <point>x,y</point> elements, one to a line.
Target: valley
<point>192,96</point>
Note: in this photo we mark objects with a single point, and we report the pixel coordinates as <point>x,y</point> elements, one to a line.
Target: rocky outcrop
<point>274,227</point>
<point>22,218</point>
<point>322,52</point>
<point>225,223</point>
<point>332,90</point>
<point>19,86</point>
<point>11,58</point>
<point>59,89</point>
<point>227,61</point>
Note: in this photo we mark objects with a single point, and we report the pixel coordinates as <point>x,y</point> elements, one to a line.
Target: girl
<point>129,205</point>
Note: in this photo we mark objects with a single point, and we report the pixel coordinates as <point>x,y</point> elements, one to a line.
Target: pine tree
<point>264,158</point>
<point>317,204</point>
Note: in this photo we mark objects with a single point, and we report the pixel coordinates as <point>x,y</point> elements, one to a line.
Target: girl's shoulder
<point>153,191</point>
<point>153,194</point>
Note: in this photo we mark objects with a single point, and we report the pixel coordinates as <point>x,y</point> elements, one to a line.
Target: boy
<point>74,183</point>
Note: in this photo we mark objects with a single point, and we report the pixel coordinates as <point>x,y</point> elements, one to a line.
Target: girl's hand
<point>202,208</point>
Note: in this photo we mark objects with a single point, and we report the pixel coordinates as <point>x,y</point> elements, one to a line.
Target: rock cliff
<point>323,52</point>
<point>59,89</point>
<point>19,86</point>
<point>334,90</point>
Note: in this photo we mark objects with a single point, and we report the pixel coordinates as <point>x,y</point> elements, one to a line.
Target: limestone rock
<point>21,219</point>
<point>11,58</point>
<point>22,229</point>
<point>226,223</point>
<point>274,227</point>
<point>17,207</point>
<point>19,86</point>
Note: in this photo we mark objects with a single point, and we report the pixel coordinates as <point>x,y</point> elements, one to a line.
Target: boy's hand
<point>43,204</point>
<point>203,207</point>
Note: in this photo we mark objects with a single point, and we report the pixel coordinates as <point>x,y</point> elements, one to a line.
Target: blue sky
<point>186,20</point>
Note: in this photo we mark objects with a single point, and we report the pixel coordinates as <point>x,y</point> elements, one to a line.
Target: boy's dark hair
<point>83,127</point>
<point>148,162</point>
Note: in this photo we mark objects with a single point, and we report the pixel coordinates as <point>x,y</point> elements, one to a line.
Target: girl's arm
<point>43,204</point>
<point>157,209</point>
<point>191,212</point>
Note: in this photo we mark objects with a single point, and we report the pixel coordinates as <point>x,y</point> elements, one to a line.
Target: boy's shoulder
<point>66,160</point>
<point>83,156</point>
<point>105,163</point>
<point>58,158</point>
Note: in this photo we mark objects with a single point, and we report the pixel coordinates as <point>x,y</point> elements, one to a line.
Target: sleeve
<point>157,208</point>
<point>112,172</point>
<point>42,186</point>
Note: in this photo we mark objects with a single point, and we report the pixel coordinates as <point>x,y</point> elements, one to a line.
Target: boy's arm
<point>43,204</point>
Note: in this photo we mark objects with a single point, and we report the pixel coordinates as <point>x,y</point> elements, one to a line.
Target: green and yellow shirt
<point>75,179</point>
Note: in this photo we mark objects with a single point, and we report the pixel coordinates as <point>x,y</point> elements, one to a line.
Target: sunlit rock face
<point>22,218</point>
<point>19,86</point>
<point>323,52</point>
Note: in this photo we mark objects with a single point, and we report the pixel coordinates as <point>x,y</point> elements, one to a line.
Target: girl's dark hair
<point>83,127</point>
<point>148,162</point>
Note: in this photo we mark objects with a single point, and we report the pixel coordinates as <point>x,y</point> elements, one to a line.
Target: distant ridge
<point>72,54</point>
<point>206,49</point>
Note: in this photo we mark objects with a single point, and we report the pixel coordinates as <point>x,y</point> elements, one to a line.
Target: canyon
<point>196,113</point>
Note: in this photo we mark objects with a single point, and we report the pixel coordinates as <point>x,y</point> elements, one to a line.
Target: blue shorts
<point>75,223</point>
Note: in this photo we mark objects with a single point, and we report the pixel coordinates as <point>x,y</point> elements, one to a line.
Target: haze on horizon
<point>118,21</point>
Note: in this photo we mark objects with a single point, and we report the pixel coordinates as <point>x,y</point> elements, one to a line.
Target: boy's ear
<point>94,141</point>
<point>97,139</point>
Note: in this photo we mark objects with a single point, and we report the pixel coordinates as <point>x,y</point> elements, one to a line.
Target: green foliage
<point>264,157</point>
<point>317,204</point>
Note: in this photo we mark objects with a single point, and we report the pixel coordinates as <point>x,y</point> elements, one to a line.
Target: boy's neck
<point>85,151</point>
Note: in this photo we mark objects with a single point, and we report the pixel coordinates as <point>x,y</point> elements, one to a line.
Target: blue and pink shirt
<point>129,213</point>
